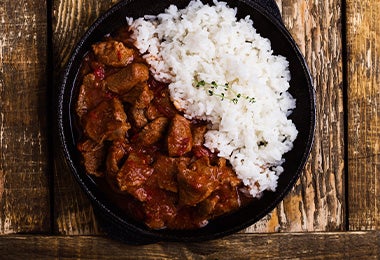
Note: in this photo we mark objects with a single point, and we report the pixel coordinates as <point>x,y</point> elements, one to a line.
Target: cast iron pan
<point>267,21</point>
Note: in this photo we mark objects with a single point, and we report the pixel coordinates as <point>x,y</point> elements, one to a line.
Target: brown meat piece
<point>196,182</point>
<point>139,96</point>
<point>226,197</point>
<point>199,150</point>
<point>107,121</point>
<point>166,170</point>
<point>179,139</point>
<point>134,173</point>
<point>137,116</point>
<point>223,200</point>
<point>226,174</point>
<point>151,112</point>
<point>113,53</point>
<point>159,208</point>
<point>93,156</point>
<point>153,132</point>
<point>118,151</point>
<point>199,132</point>
<point>126,78</point>
<point>90,95</point>
<point>163,102</point>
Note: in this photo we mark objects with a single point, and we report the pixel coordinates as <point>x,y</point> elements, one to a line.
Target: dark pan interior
<point>268,24</point>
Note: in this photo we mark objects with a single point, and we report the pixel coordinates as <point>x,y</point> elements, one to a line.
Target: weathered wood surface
<point>316,204</point>
<point>24,188</point>
<point>363,76</point>
<point>349,245</point>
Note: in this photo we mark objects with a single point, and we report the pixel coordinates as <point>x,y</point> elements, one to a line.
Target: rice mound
<point>204,52</point>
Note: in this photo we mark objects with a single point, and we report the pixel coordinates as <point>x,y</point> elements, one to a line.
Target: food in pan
<point>185,115</point>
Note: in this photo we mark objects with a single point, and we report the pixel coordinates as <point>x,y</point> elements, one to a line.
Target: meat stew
<point>146,155</point>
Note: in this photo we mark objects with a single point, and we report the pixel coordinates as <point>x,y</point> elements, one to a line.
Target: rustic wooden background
<point>333,211</point>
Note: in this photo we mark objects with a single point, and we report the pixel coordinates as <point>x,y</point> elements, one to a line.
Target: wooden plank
<point>353,245</point>
<point>317,201</point>
<point>363,75</point>
<point>73,213</point>
<point>24,189</point>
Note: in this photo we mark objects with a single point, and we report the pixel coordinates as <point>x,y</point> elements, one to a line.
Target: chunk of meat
<point>117,152</point>
<point>126,78</point>
<point>226,198</point>
<point>113,53</point>
<point>151,112</point>
<point>199,150</point>
<point>90,95</point>
<point>163,103</point>
<point>179,138</point>
<point>153,132</point>
<point>134,173</point>
<point>226,174</point>
<point>166,170</point>
<point>199,132</point>
<point>223,200</point>
<point>93,157</point>
<point>139,96</point>
<point>159,208</point>
<point>107,121</point>
<point>196,182</point>
<point>137,116</point>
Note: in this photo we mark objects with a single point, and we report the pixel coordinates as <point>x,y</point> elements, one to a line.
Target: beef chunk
<point>137,116</point>
<point>179,139</point>
<point>223,200</point>
<point>199,150</point>
<point>90,95</point>
<point>113,53</point>
<point>197,181</point>
<point>107,121</point>
<point>163,103</point>
<point>93,156</point>
<point>126,78</point>
<point>159,208</point>
<point>226,174</point>
<point>199,132</point>
<point>118,151</point>
<point>226,197</point>
<point>153,132</point>
<point>134,173</point>
<point>117,154</point>
<point>166,170</point>
<point>206,207</point>
<point>139,96</point>
<point>151,112</point>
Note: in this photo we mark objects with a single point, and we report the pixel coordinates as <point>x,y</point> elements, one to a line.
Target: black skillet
<point>267,21</point>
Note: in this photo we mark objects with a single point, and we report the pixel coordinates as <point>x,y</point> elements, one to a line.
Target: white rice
<point>208,43</point>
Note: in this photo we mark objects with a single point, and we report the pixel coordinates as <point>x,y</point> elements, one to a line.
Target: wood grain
<point>24,190</point>
<point>363,67</point>
<point>349,245</point>
<point>317,201</point>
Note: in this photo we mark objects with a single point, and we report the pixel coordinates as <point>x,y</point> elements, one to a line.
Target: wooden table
<point>332,212</point>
